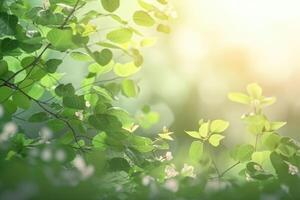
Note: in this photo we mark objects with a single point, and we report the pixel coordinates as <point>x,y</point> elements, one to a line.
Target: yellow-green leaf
<point>142,18</point>
<point>254,90</point>
<point>120,36</point>
<point>239,98</point>
<point>215,139</point>
<point>196,150</point>
<point>194,134</point>
<point>204,129</point>
<point>126,69</point>
<point>218,126</point>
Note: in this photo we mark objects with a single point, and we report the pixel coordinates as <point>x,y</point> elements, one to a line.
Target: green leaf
<point>255,170</point>
<point>194,134</point>
<point>142,144</point>
<point>65,90</point>
<point>274,126</point>
<point>105,122</point>
<point>21,100</point>
<point>103,57</point>
<point>218,126</point>
<point>148,42</point>
<point>254,90</point>
<point>125,70</point>
<point>45,17</point>
<point>129,88</point>
<point>99,70</point>
<point>52,64</point>
<point>56,125</point>
<point>119,164</point>
<point>99,141</point>
<point>262,158</point>
<point>38,117</point>
<point>142,18</point>
<point>36,91</point>
<point>122,115</point>
<point>145,5</point>
<point>255,123</point>
<point>103,92</point>
<point>76,55</point>
<point>287,147</point>
<point>242,153</point>
<point>166,136</point>
<point>267,101</point>
<point>61,39</point>
<point>161,15</point>
<point>149,119</point>
<point>270,140</point>
<point>215,139</point>
<point>75,102</point>
<point>3,67</point>
<point>5,94</point>
<point>196,151</point>
<point>163,28</point>
<point>110,5</point>
<point>9,106</point>
<point>204,129</point>
<point>120,36</point>
<point>239,98</point>
<point>8,24</point>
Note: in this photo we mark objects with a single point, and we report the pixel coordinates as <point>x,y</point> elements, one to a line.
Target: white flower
<point>60,155</point>
<point>79,114</point>
<point>169,156</point>
<point>45,135</point>
<point>188,170</point>
<point>46,155</point>
<point>85,170</point>
<point>87,104</point>
<point>46,4</point>
<point>170,171</point>
<point>9,130</point>
<point>171,185</point>
<point>293,170</point>
<point>147,180</point>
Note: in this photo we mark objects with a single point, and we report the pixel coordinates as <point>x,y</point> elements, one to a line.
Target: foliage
<point>56,137</point>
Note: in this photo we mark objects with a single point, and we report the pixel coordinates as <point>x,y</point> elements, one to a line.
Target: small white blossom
<point>170,171</point>
<point>60,155</point>
<point>188,170</point>
<point>46,155</point>
<point>169,156</point>
<point>45,134</point>
<point>9,130</point>
<point>85,170</point>
<point>79,114</point>
<point>87,104</point>
<point>147,180</point>
<point>171,185</point>
<point>293,170</point>
<point>46,4</point>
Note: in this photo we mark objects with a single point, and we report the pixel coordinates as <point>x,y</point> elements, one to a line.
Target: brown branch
<point>40,104</point>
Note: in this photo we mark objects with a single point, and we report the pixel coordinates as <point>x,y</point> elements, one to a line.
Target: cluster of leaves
<point>56,137</point>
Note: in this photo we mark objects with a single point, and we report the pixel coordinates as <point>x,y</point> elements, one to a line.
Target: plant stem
<point>40,104</point>
<point>229,168</point>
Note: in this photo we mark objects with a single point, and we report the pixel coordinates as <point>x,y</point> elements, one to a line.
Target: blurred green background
<point>215,47</point>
